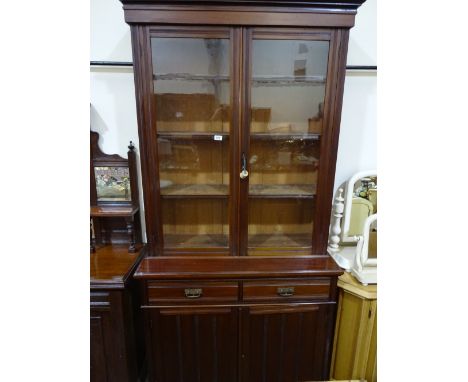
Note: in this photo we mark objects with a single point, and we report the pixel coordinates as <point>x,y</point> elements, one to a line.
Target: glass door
<point>288,75</point>
<point>192,91</point>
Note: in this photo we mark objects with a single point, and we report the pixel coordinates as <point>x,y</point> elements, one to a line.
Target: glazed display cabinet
<point>239,106</point>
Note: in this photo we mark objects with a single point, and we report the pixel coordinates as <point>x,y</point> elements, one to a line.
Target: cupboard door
<point>285,123</point>
<point>98,364</point>
<point>195,344</point>
<point>192,86</point>
<point>112,340</point>
<point>286,343</point>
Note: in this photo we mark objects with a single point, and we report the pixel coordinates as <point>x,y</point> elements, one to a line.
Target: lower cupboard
<point>257,343</point>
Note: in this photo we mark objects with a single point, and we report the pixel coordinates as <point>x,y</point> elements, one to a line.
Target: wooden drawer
<point>192,292</point>
<point>99,299</point>
<point>286,290</point>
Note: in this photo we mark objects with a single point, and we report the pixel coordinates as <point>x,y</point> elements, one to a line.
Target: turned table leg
<point>92,237</point>
<point>131,234</point>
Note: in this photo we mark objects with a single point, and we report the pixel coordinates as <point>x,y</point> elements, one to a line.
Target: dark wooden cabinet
<point>239,108</point>
<point>112,355</point>
<point>116,340</point>
<point>262,343</point>
<point>237,325</point>
<point>100,335</point>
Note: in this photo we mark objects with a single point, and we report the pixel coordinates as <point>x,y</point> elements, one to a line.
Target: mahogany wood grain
<point>327,5</point>
<point>165,268</point>
<point>211,292</point>
<point>113,344</point>
<point>329,142</point>
<point>143,76</point>
<point>197,345</point>
<point>111,266</point>
<point>230,15</point>
<point>276,306</point>
<point>132,165</point>
<point>270,290</point>
<point>244,132</point>
<point>285,344</point>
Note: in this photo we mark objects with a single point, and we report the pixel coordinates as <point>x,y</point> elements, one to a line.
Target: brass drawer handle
<point>285,292</point>
<point>193,292</point>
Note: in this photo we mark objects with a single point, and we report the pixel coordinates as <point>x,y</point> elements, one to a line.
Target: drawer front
<point>286,290</point>
<point>192,292</point>
<point>99,299</point>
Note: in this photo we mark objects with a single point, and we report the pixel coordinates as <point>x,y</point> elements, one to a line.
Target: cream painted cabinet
<point>355,344</point>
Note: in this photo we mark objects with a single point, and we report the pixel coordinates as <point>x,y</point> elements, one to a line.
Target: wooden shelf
<point>192,135</point>
<point>279,241</point>
<point>284,136</point>
<point>113,211</point>
<point>287,80</point>
<point>256,81</point>
<point>189,77</point>
<point>225,135</point>
<point>196,241</point>
<point>255,191</point>
<point>282,190</point>
<point>196,190</point>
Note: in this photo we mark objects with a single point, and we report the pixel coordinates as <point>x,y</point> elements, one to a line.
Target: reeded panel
<point>192,88</point>
<point>286,344</point>
<point>195,344</point>
<point>287,92</point>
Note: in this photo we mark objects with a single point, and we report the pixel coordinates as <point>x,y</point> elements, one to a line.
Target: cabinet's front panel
<point>270,329</point>
<point>285,344</point>
<point>192,97</point>
<point>98,364</point>
<point>288,74</point>
<point>195,344</point>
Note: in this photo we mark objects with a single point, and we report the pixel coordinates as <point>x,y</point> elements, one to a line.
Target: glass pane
<point>287,101</point>
<point>192,223</point>
<point>282,223</point>
<point>192,95</point>
<point>112,184</point>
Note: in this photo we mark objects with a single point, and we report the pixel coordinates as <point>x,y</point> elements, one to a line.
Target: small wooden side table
<point>112,211</point>
<point>355,343</point>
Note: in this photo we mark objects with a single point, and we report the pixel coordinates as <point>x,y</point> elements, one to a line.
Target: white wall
<point>113,111</point>
<point>357,149</point>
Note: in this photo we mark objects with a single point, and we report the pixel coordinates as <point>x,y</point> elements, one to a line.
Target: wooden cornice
<point>322,4</point>
<point>300,13</point>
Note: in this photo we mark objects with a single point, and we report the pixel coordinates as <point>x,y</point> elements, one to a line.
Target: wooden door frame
<point>142,21</point>
<point>146,113</point>
<point>336,68</point>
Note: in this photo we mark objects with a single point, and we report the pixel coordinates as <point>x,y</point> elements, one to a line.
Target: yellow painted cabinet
<point>355,344</point>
